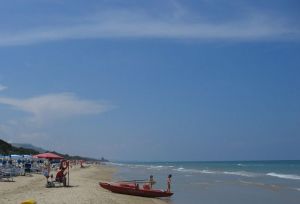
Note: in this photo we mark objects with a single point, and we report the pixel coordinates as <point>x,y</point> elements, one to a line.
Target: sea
<point>231,182</point>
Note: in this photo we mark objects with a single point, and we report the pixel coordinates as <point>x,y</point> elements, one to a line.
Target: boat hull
<point>130,189</point>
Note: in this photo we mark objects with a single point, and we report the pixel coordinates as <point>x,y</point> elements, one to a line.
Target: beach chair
<point>27,168</point>
<point>14,171</point>
<point>36,168</point>
<point>59,181</point>
<point>6,174</point>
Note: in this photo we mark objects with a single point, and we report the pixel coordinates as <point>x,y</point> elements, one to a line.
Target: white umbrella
<point>16,156</point>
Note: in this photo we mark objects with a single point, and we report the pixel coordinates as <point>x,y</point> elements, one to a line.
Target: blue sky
<point>152,80</point>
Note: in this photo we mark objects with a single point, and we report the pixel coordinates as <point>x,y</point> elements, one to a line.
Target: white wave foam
<point>134,166</point>
<point>249,165</point>
<point>284,176</point>
<point>194,171</point>
<point>116,164</point>
<point>240,173</point>
<point>157,167</point>
<point>208,172</point>
<point>237,173</point>
<point>181,169</point>
<point>139,165</point>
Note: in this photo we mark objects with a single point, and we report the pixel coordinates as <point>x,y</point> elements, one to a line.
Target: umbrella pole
<point>69,174</point>
<point>49,169</point>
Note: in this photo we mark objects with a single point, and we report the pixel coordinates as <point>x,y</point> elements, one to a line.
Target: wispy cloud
<point>2,88</point>
<point>43,112</point>
<point>56,106</point>
<point>139,24</point>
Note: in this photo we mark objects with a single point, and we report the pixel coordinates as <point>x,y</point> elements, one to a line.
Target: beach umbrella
<point>48,156</point>
<point>16,156</point>
<point>27,156</point>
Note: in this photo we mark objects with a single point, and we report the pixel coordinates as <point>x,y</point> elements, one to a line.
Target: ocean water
<point>247,182</point>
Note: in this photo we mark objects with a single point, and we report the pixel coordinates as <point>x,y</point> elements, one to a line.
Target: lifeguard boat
<point>134,189</point>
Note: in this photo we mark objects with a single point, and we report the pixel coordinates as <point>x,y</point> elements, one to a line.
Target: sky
<point>152,80</point>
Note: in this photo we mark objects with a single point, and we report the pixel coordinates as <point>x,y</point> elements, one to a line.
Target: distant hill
<point>69,157</point>
<point>6,148</point>
<point>29,146</point>
<point>16,148</point>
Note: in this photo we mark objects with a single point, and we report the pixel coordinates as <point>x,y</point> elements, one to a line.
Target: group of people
<point>60,175</point>
<point>152,182</point>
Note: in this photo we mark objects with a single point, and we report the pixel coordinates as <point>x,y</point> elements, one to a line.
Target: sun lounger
<point>6,174</point>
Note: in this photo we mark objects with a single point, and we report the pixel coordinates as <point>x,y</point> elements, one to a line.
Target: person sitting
<point>61,177</point>
<point>61,174</point>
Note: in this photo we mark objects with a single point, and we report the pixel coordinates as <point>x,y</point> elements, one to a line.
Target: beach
<point>84,188</point>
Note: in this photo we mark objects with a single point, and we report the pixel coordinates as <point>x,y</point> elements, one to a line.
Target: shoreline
<point>84,188</point>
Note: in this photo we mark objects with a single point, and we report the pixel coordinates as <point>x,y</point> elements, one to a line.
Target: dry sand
<point>84,189</point>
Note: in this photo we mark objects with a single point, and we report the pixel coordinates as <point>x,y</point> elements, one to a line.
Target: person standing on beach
<point>47,169</point>
<point>169,183</point>
<point>151,181</point>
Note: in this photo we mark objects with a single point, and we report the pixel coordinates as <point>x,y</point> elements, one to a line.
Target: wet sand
<point>84,188</point>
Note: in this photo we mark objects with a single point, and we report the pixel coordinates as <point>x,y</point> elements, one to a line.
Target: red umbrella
<point>48,156</point>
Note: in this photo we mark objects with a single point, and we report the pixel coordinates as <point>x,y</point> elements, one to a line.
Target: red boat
<point>133,189</point>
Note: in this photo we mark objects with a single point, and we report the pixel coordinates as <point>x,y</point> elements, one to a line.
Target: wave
<point>127,165</point>
<point>206,171</point>
<point>194,171</point>
<point>237,173</point>
<point>150,167</point>
<point>284,176</point>
<point>158,167</point>
<point>249,165</point>
<point>138,165</point>
<point>155,167</point>
<point>240,173</point>
<point>116,164</point>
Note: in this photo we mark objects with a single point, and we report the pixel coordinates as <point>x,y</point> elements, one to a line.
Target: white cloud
<point>56,106</point>
<point>46,112</point>
<point>136,24</point>
<point>2,88</point>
